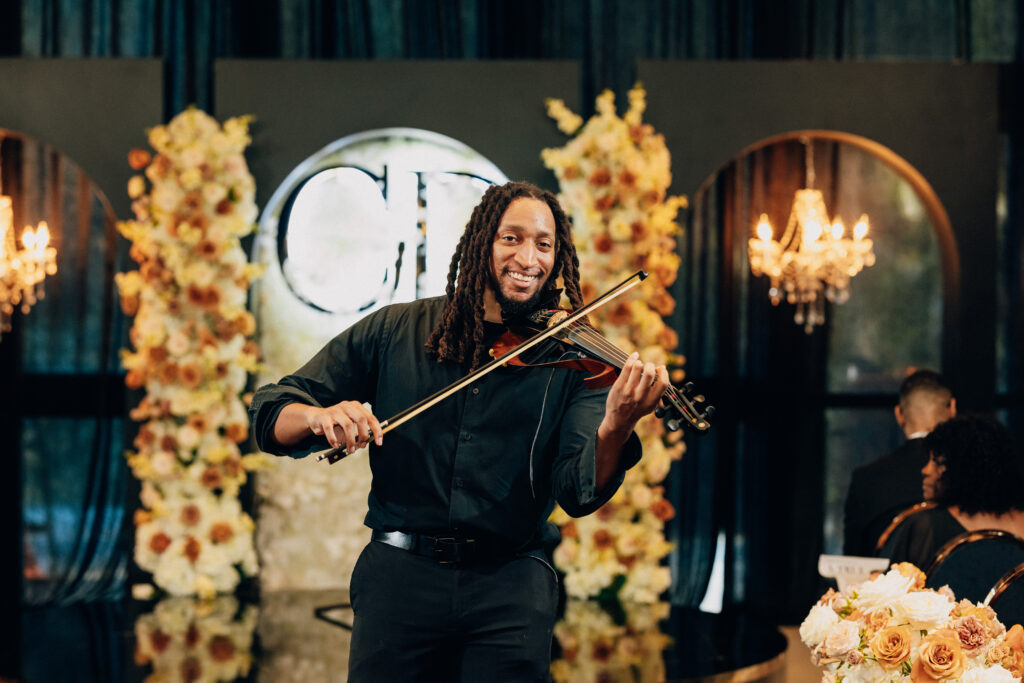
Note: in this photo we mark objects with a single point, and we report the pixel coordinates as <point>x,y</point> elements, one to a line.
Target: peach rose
<point>891,646</point>
<point>940,658</point>
<point>876,621</point>
<point>911,570</point>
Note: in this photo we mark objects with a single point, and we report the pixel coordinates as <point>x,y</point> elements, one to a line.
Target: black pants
<point>419,620</point>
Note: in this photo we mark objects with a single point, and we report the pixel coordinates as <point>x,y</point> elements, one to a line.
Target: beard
<point>512,309</point>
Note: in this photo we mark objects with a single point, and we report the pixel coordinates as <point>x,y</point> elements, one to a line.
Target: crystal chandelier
<point>22,269</point>
<point>815,258</point>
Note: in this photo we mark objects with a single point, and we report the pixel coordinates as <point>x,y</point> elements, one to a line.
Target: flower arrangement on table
<point>192,350</point>
<point>614,178</point>
<point>196,640</point>
<point>892,628</point>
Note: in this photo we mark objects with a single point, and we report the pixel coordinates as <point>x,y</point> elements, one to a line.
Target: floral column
<point>614,176</point>
<point>191,352</point>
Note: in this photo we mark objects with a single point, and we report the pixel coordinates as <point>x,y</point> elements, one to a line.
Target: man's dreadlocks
<point>459,336</point>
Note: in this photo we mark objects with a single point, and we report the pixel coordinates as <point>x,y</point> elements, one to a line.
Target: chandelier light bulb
<point>28,238</point>
<point>838,229</point>
<point>42,235</point>
<point>764,228</point>
<point>812,230</point>
<point>860,229</point>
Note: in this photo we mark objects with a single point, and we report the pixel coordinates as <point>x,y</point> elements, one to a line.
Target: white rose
<point>842,638</point>
<point>882,591</point>
<point>164,462</point>
<point>818,623</point>
<point>924,609</point>
<point>994,674</point>
<point>869,672</point>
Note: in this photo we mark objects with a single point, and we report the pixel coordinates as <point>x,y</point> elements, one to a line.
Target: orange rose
<point>236,432</point>
<point>192,549</point>
<point>221,532</point>
<point>603,539</point>
<point>138,158</point>
<point>601,176</point>
<point>221,649</point>
<point>570,530</point>
<point>211,477</point>
<point>891,646</point>
<point>130,304</point>
<point>135,379</point>
<point>663,509</point>
<point>159,640</point>
<point>605,202</point>
<point>1015,638</point>
<point>940,658</point>
<point>159,542</point>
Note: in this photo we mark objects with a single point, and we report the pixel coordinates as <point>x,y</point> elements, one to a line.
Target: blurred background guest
<point>884,487</point>
<point>975,474</point>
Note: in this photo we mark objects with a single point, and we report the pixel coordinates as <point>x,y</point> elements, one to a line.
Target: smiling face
<point>931,474</point>
<point>522,254</point>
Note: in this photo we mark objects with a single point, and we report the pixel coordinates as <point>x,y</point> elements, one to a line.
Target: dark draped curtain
<point>63,383</point>
<point>745,354</point>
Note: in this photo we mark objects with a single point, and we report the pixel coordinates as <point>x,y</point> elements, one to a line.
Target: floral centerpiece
<point>614,178</point>
<point>192,350</point>
<point>891,628</point>
<point>195,640</point>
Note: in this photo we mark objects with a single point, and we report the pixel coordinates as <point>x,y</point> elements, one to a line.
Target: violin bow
<point>333,455</point>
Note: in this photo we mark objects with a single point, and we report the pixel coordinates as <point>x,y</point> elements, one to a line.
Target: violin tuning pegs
<point>689,387</point>
<point>699,398</point>
<point>709,411</point>
<point>672,425</point>
<point>659,412</point>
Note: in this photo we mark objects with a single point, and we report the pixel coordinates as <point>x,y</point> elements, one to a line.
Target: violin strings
<point>614,353</point>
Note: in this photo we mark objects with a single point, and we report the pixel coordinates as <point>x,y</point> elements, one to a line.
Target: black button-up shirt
<point>487,462</point>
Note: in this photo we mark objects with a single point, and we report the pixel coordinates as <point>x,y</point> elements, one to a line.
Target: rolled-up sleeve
<point>574,471</point>
<point>343,370</point>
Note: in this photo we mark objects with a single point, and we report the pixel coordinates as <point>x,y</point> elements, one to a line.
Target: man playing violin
<point>457,583</point>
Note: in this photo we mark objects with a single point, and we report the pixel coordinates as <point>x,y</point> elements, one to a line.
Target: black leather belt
<point>443,549</point>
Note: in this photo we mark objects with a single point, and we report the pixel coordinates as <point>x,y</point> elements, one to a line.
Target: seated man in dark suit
<point>882,488</point>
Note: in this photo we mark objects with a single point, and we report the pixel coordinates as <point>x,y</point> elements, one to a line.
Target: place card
<point>850,569</point>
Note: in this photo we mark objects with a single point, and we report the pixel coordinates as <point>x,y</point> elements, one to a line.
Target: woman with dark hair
<point>976,476</point>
